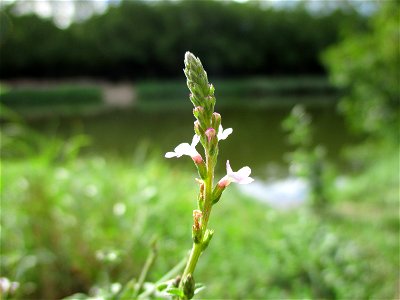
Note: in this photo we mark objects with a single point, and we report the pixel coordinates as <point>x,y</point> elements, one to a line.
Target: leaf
<point>162,286</point>
<point>128,291</point>
<point>175,291</point>
<point>199,288</point>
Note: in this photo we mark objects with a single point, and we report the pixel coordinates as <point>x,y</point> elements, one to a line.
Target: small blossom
<point>210,133</point>
<point>242,176</point>
<point>186,149</point>
<point>223,134</point>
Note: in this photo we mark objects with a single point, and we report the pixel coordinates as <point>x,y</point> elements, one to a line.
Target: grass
<point>63,98</point>
<point>71,222</point>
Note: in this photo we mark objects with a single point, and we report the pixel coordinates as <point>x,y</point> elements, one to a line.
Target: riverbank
<point>85,97</point>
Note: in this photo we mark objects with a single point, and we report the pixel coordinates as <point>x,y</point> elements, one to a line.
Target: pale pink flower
<point>186,149</point>
<point>223,134</point>
<point>242,176</point>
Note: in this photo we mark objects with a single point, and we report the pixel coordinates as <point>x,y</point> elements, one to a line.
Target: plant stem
<point>192,261</point>
<point>197,248</point>
<point>175,270</point>
<point>149,262</point>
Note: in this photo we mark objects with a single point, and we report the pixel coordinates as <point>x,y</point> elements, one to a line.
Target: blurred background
<point>92,95</point>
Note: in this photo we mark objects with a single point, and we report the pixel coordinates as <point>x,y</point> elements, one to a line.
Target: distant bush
<point>366,65</point>
<point>52,96</point>
<point>243,92</point>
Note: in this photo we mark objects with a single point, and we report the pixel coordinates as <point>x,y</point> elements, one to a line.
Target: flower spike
<point>208,130</point>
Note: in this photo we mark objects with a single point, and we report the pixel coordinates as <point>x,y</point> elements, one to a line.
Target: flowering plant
<point>208,131</point>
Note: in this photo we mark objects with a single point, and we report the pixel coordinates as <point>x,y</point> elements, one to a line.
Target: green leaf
<point>128,291</point>
<point>198,288</point>
<point>162,286</point>
<point>175,291</point>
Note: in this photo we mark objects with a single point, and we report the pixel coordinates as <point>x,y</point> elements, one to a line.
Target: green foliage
<point>247,92</point>
<point>83,224</point>
<point>309,160</point>
<point>30,45</point>
<point>51,96</point>
<point>367,65</point>
<point>147,39</point>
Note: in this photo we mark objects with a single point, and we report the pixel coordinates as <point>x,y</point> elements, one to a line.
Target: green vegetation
<point>308,160</point>
<point>367,66</point>
<point>51,96</point>
<point>71,222</point>
<point>137,39</point>
<point>249,93</point>
<point>82,223</point>
<point>61,99</point>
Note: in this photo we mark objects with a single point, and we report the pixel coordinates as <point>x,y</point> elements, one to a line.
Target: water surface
<point>257,140</point>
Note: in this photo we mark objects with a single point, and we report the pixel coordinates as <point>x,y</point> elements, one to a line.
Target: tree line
<point>137,39</point>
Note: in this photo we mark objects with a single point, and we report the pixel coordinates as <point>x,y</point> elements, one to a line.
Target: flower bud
<point>194,99</point>
<point>198,129</point>
<point>223,183</point>
<point>209,104</point>
<point>215,120</point>
<point>197,80</point>
<point>210,133</point>
<point>188,286</point>
<point>190,60</point>
<point>212,142</point>
<point>198,111</point>
<point>219,188</point>
<point>211,89</point>
<point>200,115</point>
<point>201,166</point>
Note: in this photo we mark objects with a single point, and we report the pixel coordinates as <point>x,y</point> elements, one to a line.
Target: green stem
<point>197,248</point>
<point>173,272</point>
<point>192,261</point>
<point>149,262</point>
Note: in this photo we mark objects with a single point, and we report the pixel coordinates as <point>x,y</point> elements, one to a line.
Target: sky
<point>63,12</point>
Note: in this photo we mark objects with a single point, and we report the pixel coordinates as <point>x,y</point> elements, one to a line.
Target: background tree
<point>137,39</point>
<point>367,66</point>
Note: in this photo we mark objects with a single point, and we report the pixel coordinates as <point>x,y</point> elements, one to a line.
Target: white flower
<point>223,134</point>
<point>185,149</point>
<point>7,286</point>
<point>241,176</point>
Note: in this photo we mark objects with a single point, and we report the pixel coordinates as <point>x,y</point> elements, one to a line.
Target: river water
<point>258,139</point>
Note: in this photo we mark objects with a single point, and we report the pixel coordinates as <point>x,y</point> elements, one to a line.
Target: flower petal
<point>228,168</point>
<point>195,140</point>
<point>241,176</point>
<point>223,134</point>
<point>183,149</point>
<point>244,172</point>
<point>246,180</point>
<point>170,154</point>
